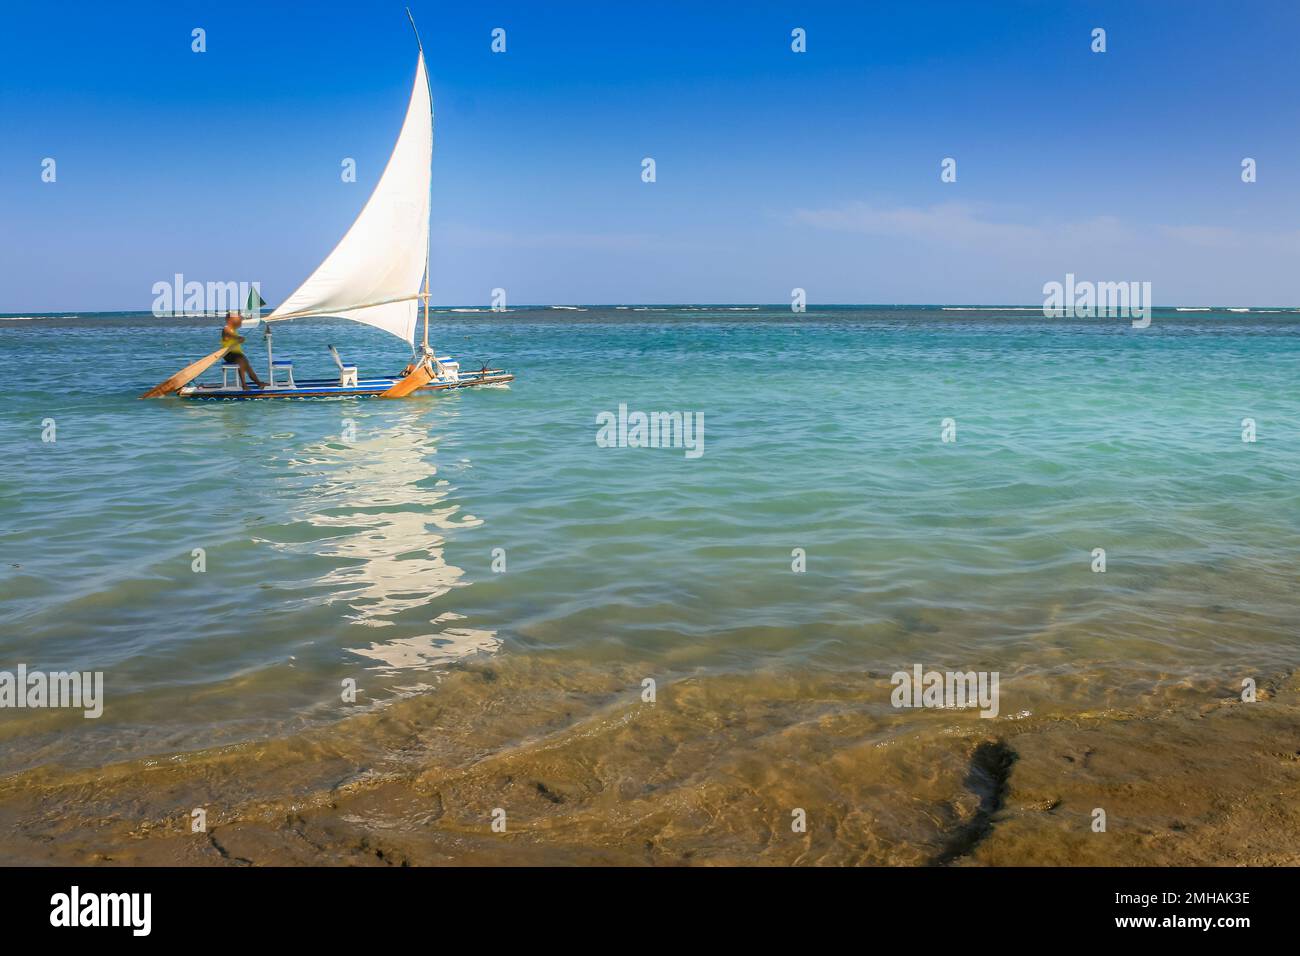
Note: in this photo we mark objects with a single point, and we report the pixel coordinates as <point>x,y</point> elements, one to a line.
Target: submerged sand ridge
<point>712,772</point>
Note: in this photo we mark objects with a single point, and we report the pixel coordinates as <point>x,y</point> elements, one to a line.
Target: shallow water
<point>356,539</point>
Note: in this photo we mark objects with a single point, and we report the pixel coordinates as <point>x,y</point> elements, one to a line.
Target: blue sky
<point>775,169</point>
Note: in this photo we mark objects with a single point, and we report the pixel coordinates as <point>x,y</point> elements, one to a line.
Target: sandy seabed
<point>714,771</point>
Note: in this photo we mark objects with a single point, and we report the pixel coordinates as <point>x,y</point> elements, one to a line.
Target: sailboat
<point>378,275</point>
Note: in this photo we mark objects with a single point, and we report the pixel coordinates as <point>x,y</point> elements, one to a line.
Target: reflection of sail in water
<point>388,514</point>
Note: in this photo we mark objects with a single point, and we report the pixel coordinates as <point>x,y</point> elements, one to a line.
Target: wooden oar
<point>419,376</point>
<point>187,374</point>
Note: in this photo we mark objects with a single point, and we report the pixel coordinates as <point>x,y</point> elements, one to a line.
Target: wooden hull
<point>330,388</point>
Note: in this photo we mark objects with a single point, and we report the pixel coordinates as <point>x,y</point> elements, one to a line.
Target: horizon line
<point>34,313</point>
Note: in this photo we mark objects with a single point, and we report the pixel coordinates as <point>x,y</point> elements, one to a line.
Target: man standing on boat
<point>234,343</point>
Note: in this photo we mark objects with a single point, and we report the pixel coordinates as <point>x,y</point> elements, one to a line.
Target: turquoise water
<point>356,538</point>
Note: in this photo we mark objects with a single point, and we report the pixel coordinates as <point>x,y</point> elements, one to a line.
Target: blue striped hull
<point>330,388</point>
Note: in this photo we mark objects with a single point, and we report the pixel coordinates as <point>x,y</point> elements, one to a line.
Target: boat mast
<point>429,86</point>
<point>426,303</point>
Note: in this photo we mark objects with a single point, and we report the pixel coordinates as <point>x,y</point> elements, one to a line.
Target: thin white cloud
<point>477,237</point>
<point>1230,237</point>
<point>985,226</point>
<point>960,224</point>
<point>1213,237</point>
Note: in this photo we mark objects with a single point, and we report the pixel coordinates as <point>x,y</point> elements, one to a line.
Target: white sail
<point>375,273</point>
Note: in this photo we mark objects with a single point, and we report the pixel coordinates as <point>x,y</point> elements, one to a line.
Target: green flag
<point>255,301</point>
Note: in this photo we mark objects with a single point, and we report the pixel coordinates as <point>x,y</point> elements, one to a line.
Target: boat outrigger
<point>377,274</point>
